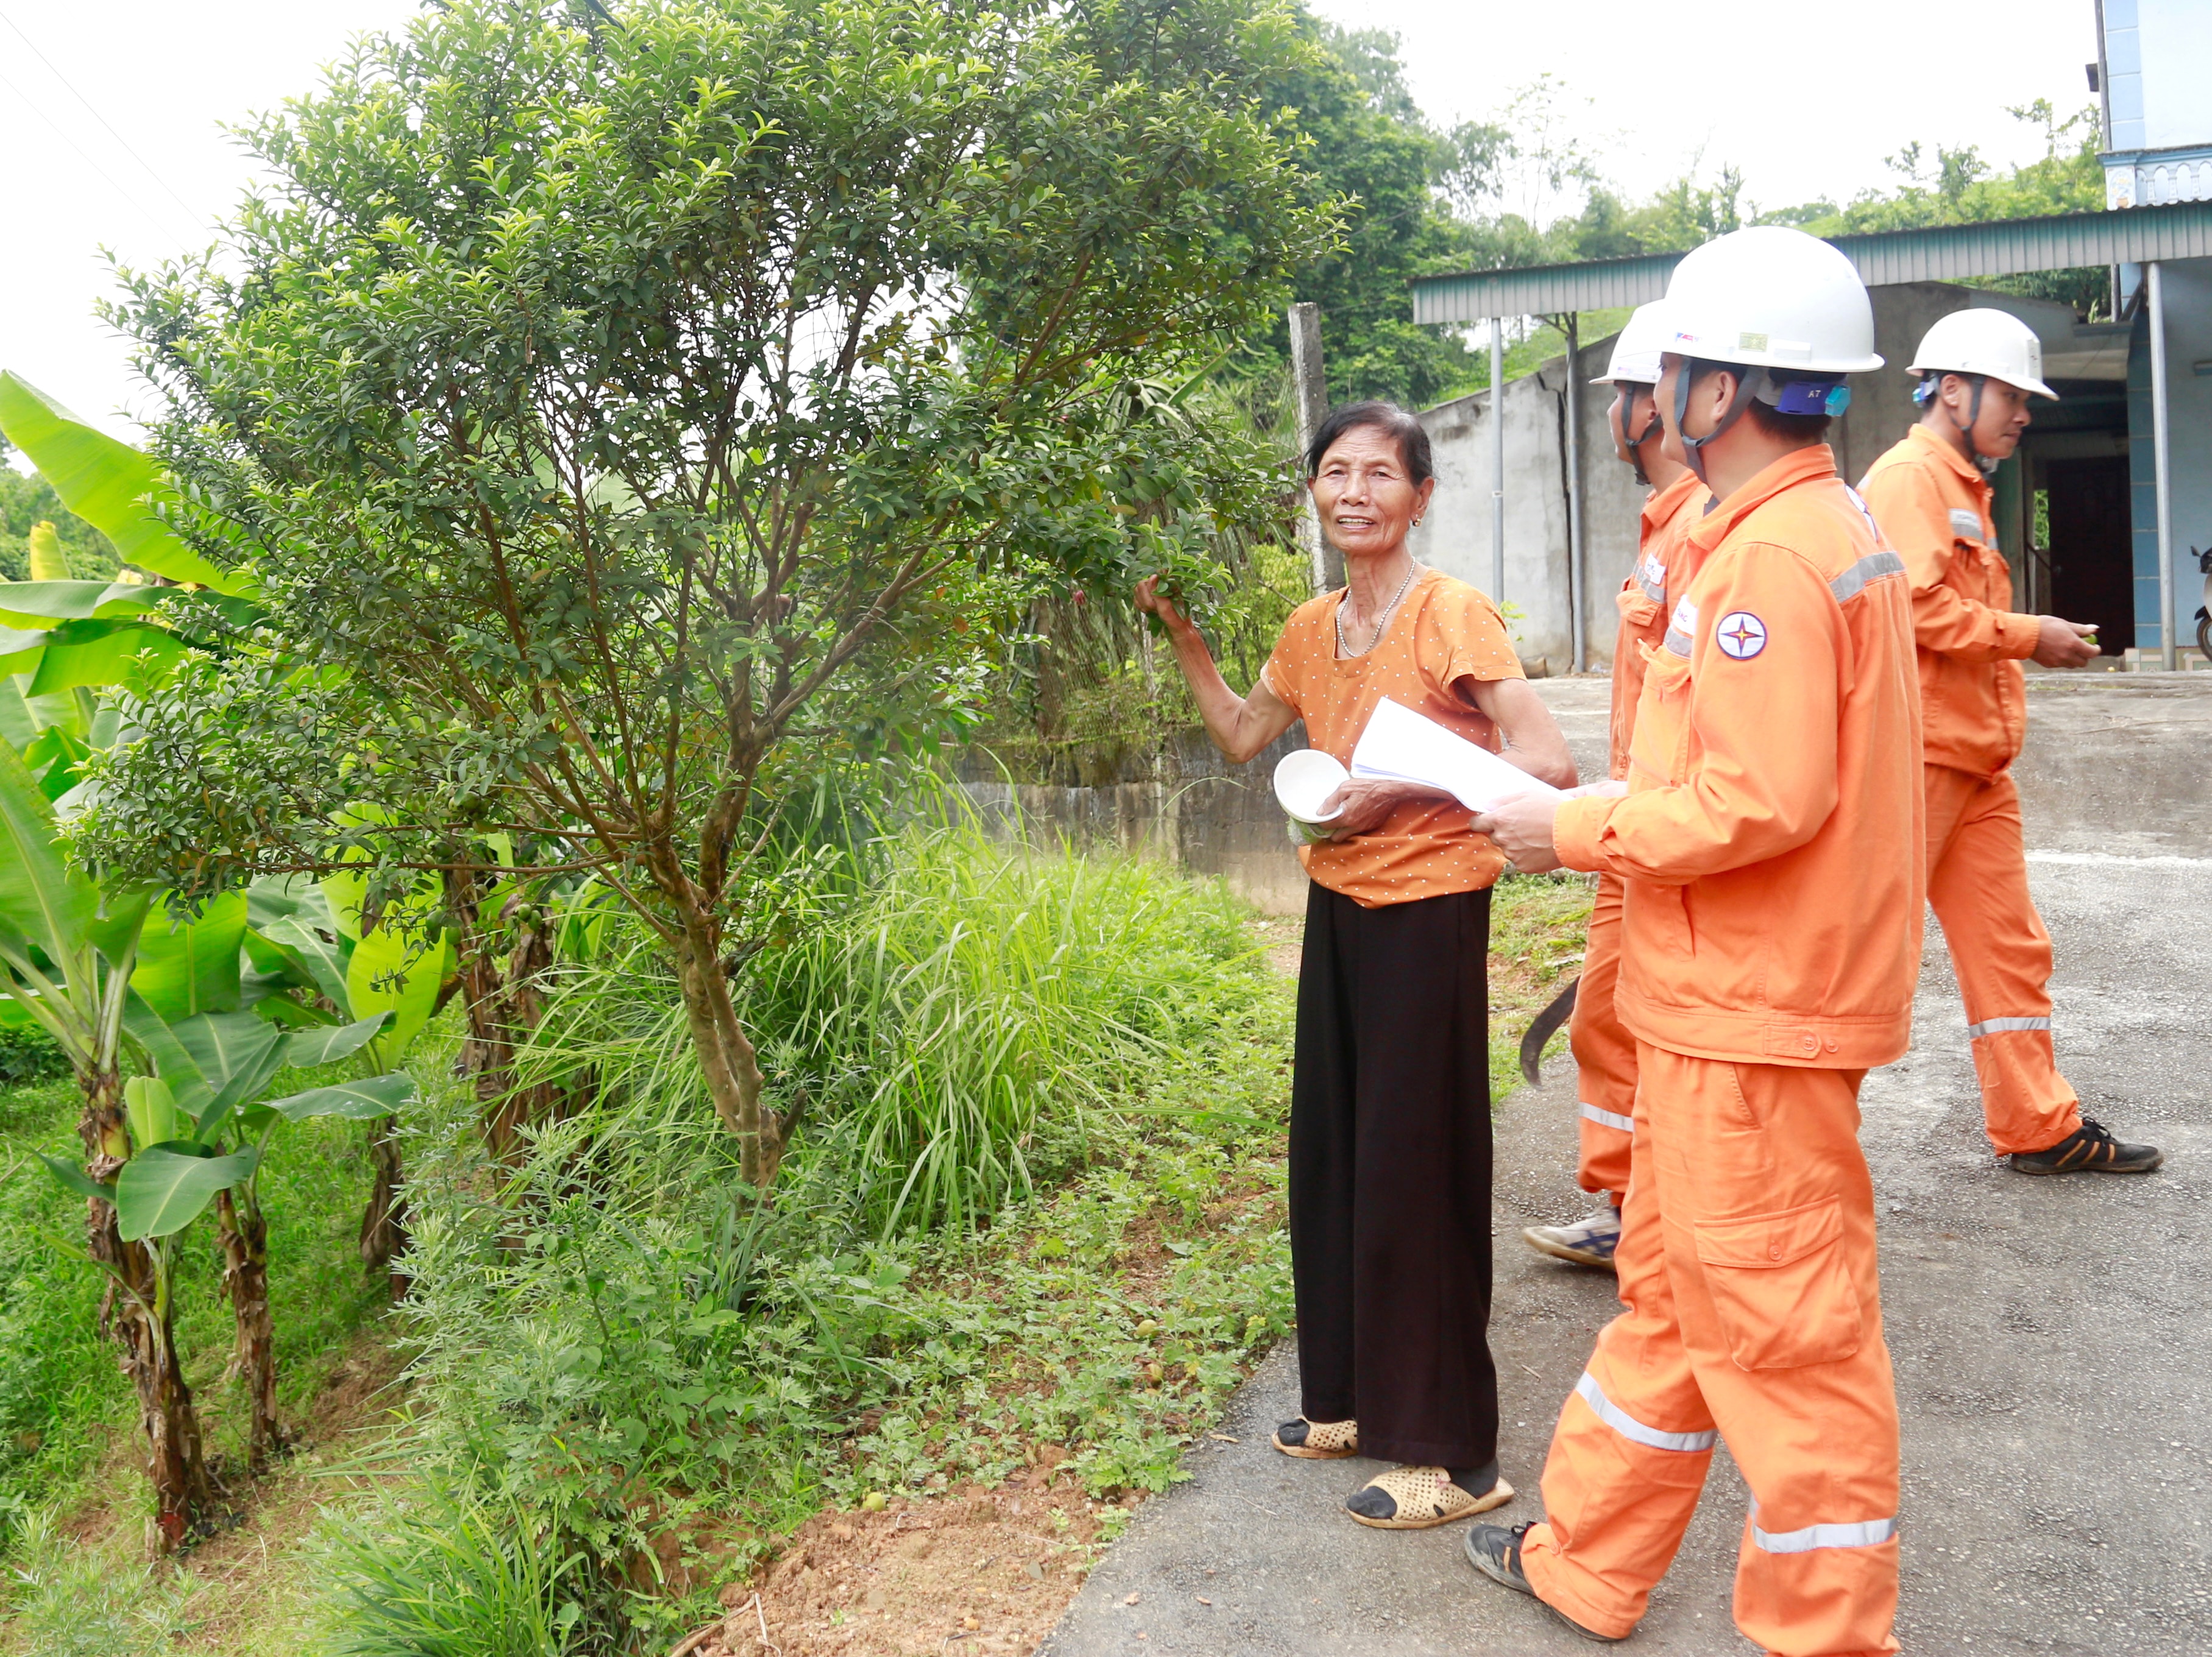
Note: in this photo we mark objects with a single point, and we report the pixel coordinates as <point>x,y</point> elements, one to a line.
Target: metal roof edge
<point>1989,247</point>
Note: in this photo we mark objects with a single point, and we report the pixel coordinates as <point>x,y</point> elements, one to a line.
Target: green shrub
<point>620,1338</point>
<point>28,1055</point>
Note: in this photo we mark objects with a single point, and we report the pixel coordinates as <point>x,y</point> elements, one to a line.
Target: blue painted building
<point>2154,77</point>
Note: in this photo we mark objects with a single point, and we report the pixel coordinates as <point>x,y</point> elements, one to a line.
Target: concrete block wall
<point>1456,535</point>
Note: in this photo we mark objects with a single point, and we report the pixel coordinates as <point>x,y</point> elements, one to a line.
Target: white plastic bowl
<point>1303,781</point>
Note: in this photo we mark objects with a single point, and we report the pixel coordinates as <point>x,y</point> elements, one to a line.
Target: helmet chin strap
<point>1694,448</point>
<point>1634,445</point>
<point>1985,464</point>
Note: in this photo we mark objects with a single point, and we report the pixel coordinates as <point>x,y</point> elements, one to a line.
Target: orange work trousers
<point>1746,1265</point>
<point>1605,1053</point>
<point>1978,883</point>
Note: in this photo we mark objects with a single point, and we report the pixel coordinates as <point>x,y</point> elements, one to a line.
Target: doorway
<point>2092,550</point>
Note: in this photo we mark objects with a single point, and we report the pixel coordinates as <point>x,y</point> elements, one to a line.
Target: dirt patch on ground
<point>986,1575</point>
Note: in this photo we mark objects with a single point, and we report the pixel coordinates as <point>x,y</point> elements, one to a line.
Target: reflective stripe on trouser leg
<point>1605,1053</point>
<point>1630,1453</point>
<point>1978,884</point>
<point>1766,1216</point>
<point>1859,1533</point>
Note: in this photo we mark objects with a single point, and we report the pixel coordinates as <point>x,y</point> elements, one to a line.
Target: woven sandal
<point>1414,1498</point>
<point>1318,1441</point>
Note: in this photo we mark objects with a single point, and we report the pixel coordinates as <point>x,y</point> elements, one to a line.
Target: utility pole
<point>1498,460</point>
<point>1575,573</point>
<point>1325,562</point>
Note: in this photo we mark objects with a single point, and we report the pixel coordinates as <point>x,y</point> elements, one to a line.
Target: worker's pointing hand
<point>1523,830</point>
<point>2064,644</point>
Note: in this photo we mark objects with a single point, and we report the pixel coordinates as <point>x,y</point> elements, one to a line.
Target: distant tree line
<point>1528,187</point>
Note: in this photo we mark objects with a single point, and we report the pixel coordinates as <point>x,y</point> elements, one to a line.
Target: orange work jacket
<point>1771,838</point>
<point>1668,515</point>
<point>1933,505</point>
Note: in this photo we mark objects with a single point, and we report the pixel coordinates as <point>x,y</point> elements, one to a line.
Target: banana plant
<point>210,1070</point>
<point>60,636</point>
<point>68,951</point>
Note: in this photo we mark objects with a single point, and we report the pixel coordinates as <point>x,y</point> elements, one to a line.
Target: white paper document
<point>1400,745</point>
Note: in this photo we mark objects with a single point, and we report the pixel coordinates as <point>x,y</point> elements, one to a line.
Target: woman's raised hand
<point>1149,598</point>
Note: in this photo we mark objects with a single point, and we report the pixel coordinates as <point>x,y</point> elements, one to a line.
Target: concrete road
<point>2052,1338</point>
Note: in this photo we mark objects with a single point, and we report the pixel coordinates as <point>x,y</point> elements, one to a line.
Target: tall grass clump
<point>458,1577</point>
<point>1010,1059</point>
<point>950,1013</point>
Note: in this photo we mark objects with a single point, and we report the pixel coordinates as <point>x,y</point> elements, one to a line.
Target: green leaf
<point>23,651</point>
<point>149,1109</point>
<point>98,652</point>
<point>164,1188</point>
<point>391,970</point>
<point>237,1053</point>
<point>357,1102</point>
<point>39,897</point>
<point>56,758</point>
<point>41,604</point>
<point>17,726</point>
<point>115,928</point>
<point>285,1013</point>
<point>189,968</point>
<point>322,1047</point>
<point>172,1062</point>
<point>280,897</point>
<point>324,961</point>
<point>76,1178</point>
<point>105,482</point>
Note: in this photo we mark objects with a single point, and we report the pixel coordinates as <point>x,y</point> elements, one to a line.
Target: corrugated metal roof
<point>1951,252</point>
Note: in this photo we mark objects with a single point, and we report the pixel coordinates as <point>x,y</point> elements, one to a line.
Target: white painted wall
<point>1455,535</point>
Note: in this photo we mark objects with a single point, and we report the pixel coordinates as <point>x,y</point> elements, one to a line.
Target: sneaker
<point>1589,1242</point>
<point>1496,1552</point>
<point>2090,1149</point>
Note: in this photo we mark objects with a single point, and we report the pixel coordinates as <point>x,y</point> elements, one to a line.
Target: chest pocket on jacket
<point>1661,755</point>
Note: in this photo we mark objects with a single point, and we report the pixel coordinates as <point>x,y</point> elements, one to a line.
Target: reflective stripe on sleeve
<point>1872,567</point>
<point>1999,1026</point>
<point>1632,1430</point>
<point>1868,1534</point>
<point>1607,1118</point>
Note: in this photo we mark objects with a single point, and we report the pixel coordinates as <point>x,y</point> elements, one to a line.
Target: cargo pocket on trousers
<point>1782,1287</point>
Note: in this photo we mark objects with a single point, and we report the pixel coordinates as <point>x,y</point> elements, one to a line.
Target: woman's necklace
<point>1375,638</point>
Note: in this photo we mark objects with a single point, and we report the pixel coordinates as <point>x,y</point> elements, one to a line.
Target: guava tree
<point>589,392</point>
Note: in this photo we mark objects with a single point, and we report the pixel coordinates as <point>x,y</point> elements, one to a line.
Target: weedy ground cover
<point>633,1381</point>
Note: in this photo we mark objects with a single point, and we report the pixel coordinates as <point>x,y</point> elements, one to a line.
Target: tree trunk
<point>137,1314</point>
<point>504,1002</point>
<point>726,1058</point>
<point>244,1231</point>
<point>384,1222</point>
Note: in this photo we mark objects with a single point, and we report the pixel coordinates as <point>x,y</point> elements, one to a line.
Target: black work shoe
<point>2090,1149</point>
<point>1496,1552</point>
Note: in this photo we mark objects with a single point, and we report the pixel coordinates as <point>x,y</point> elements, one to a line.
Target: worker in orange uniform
<point>1768,840</point>
<point>1605,1053</point>
<point>1931,497</point>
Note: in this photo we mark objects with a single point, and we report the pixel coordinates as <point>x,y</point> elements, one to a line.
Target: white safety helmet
<point>1984,341</point>
<point>1775,299</point>
<point>1637,347</point>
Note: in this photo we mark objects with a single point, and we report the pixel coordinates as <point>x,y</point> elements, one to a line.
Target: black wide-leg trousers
<point>1390,1176</point>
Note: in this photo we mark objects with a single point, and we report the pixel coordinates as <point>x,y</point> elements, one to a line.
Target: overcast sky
<point>1806,100</point>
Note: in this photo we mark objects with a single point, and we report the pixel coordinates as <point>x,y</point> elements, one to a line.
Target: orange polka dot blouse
<point>1444,634</point>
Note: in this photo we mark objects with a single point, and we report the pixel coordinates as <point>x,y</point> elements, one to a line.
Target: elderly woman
<point>1390,1177</point>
